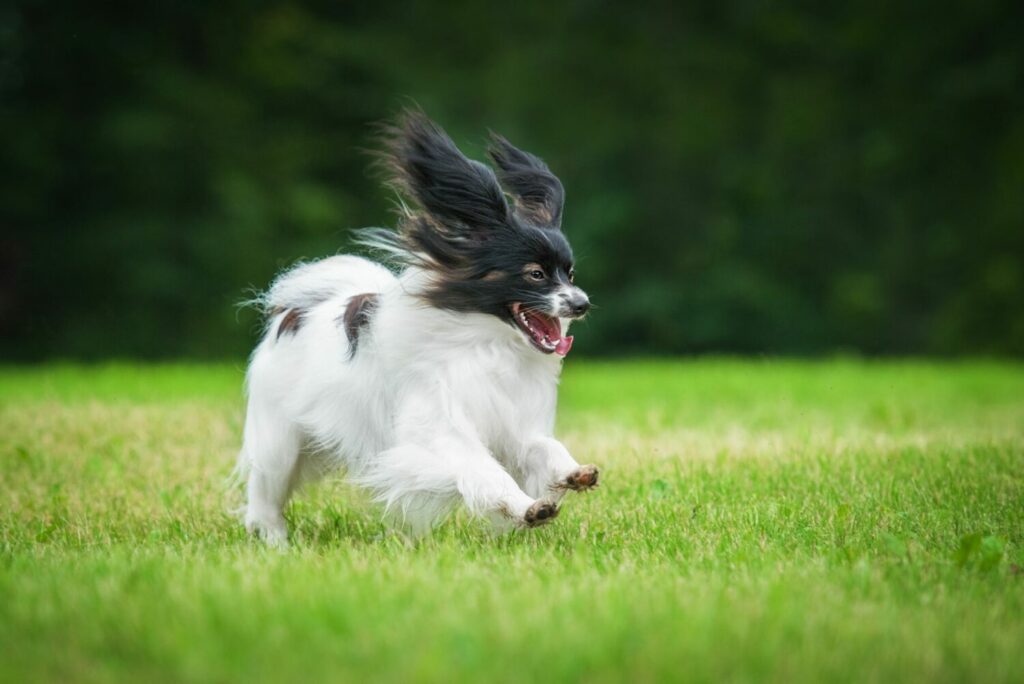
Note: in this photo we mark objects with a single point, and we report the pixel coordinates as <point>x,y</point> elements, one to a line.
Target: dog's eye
<point>536,274</point>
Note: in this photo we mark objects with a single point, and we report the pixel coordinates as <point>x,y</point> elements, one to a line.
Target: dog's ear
<point>457,192</point>
<point>538,194</point>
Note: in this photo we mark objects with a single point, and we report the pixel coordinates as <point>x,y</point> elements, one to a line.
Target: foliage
<point>745,177</point>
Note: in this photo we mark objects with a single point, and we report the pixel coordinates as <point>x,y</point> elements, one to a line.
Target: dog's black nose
<point>578,304</point>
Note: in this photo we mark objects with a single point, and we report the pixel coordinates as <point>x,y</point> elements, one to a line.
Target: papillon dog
<point>435,383</point>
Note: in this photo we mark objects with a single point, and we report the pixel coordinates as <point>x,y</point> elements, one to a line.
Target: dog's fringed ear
<point>538,194</point>
<point>455,191</point>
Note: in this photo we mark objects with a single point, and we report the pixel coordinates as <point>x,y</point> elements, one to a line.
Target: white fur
<point>434,407</point>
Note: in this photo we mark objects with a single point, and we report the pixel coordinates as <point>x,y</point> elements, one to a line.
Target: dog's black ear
<point>455,191</point>
<point>538,194</point>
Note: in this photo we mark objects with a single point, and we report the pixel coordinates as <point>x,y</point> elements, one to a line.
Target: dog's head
<point>492,242</point>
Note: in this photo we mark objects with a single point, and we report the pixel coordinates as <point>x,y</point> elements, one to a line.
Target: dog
<point>437,383</point>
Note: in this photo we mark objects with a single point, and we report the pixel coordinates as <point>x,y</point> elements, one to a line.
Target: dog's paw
<point>540,513</point>
<point>273,533</point>
<point>583,478</point>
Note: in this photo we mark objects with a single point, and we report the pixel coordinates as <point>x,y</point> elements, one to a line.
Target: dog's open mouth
<point>543,331</point>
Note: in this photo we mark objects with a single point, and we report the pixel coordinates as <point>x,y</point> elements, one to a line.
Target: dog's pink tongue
<point>563,345</point>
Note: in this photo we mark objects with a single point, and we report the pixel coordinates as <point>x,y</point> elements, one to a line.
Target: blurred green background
<point>742,177</point>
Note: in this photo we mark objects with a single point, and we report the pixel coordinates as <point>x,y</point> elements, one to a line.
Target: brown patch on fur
<point>358,314</point>
<point>540,214</point>
<point>530,268</point>
<point>494,275</point>
<point>291,322</point>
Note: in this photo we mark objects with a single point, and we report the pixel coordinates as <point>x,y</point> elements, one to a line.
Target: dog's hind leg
<point>271,453</point>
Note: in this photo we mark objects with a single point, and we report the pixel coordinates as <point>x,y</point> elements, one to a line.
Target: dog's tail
<point>310,283</point>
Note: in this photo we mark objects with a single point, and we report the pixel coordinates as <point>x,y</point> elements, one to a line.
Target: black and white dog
<point>438,383</point>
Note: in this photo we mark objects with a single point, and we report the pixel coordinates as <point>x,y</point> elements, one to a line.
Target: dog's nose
<point>578,304</point>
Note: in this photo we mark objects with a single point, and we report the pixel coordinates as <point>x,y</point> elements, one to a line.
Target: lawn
<point>757,520</point>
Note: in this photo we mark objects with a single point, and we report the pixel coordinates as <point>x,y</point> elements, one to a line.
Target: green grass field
<point>757,520</point>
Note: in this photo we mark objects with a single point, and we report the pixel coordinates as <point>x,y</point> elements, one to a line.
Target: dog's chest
<point>509,400</point>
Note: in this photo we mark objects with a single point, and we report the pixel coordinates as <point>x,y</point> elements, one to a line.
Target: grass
<point>758,520</point>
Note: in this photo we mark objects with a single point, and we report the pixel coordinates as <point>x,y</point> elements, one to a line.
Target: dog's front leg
<point>490,492</point>
<point>550,471</point>
<point>421,482</point>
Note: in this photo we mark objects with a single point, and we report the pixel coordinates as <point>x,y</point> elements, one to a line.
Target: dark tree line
<point>741,177</point>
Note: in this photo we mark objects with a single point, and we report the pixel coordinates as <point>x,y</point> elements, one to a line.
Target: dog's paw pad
<point>540,512</point>
<point>582,478</point>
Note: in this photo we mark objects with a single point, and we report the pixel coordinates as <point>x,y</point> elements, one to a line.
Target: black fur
<point>538,193</point>
<point>459,193</point>
<point>463,229</point>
